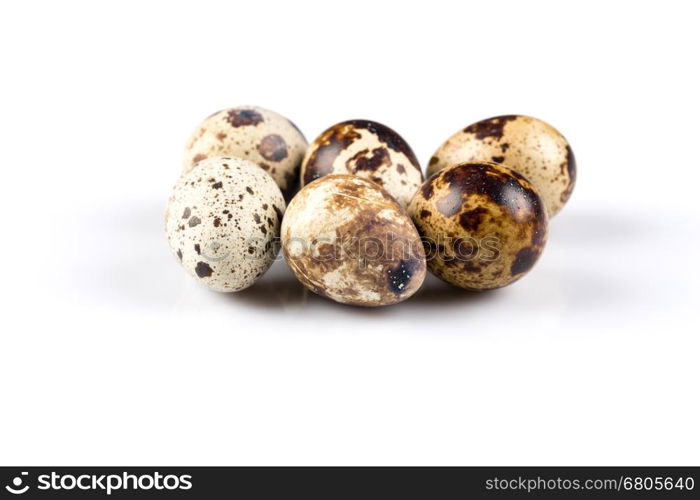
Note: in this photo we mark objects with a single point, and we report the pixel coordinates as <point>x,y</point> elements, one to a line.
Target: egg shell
<point>252,133</point>
<point>484,225</point>
<point>347,239</point>
<point>222,222</point>
<point>369,150</point>
<point>532,147</point>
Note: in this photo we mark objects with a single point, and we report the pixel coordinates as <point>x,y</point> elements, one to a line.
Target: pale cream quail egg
<point>256,134</point>
<point>223,220</point>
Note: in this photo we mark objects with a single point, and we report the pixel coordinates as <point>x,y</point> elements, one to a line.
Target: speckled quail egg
<point>484,225</point>
<point>252,133</point>
<point>532,147</point>
<point>223,220</point>
<point>369,150</point>
<point>347,239</point>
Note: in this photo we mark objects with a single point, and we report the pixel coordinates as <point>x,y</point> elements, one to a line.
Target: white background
<point>112,354</point>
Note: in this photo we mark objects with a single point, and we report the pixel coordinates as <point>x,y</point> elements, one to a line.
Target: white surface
<point>111,354</point>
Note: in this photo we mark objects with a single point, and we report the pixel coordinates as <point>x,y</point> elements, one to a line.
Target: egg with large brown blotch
<point>347,239</point>
<point>525,144</point>
<point>484,226</point>
<point>369,150</point>
<point>222,222</point>
<point>262,136</point>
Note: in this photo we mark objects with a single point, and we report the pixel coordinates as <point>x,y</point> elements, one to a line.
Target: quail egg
<point>528,145</point>
<point>369,150</point>
<point>252,133</point>
<point>484,225</point>
<point>347,239</point>
<point>223,220</point>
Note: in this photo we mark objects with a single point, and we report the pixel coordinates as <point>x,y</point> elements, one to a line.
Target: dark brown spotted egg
<point>369,150</point>
<point>222,222</point>
<point>484,225</point>
<point>347,239</point>
<point>532,147</point>
<point>252,133</point>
